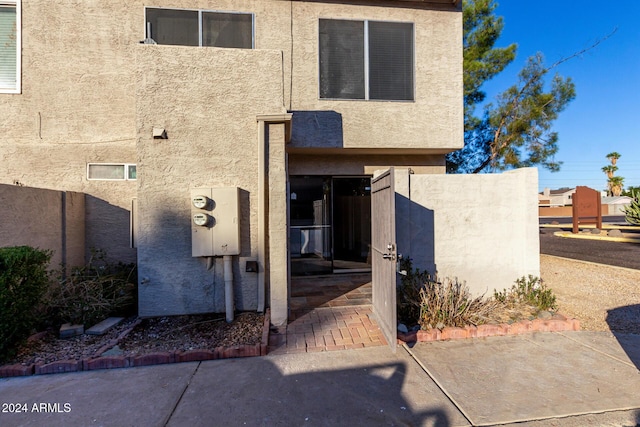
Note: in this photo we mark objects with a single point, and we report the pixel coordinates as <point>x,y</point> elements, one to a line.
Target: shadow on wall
<point>172,281</point>
<point>367,395</point>
<point>415,234</point>
<point>624,323</point>
<point>107,228</point>
<point>316,129</point>
<point>45,219</point>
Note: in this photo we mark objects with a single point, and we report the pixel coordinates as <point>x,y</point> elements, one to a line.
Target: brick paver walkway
<point>326,329</point>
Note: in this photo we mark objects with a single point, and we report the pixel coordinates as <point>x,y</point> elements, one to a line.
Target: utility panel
<point>215,221</point>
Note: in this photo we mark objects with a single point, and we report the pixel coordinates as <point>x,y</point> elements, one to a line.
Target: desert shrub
<point>435,303</point>
<point>23,281</point>
<point>632,212</point>
<point>448,302</point>
<point>89,294</point>
<point>528,290</point>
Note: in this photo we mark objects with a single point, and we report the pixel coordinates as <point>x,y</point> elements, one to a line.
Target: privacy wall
<point>482,229</point>
<point>45,219</point>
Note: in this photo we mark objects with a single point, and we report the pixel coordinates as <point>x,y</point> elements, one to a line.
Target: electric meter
<point>200,202</point>
<point>201,219</point>
<point>215,221</point>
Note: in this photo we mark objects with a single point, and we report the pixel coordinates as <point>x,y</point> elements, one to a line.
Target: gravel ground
<point>602,297</point>
<point>183,333</point>
<point>180,333</point>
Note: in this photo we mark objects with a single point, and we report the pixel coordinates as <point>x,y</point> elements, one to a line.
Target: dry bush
<point>434,303</point>
<point>92,293</point>
<point>528,291</point>
<point>448,303</point>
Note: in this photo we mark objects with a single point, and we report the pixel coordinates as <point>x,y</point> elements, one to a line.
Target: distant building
<point>559,197</point>
<point>563,197</point>
<point>616,204</point>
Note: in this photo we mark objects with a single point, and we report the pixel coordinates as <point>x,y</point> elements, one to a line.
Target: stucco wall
<point>77,106</point>
<point>361,164</point>
<point>482,229</point>
<point>433,121</point>
<point>278,226</point>
<point>44,219</point>
<point>92,93</point>
<point>207,100</point>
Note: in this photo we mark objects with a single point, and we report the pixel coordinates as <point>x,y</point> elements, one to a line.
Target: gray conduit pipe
<point>228,287</point>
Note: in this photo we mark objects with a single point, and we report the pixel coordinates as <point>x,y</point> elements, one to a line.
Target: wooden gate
<point>384,254</point>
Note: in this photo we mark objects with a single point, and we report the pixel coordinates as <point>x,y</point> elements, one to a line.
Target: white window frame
<point>366,61</point>
<point>127,167</point>
<point>200,12</point>
<point>18,87</point>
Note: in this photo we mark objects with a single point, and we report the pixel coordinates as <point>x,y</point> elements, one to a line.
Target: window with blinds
<point>9,47</point>
<point>184,27</point>
<point>366,60</point>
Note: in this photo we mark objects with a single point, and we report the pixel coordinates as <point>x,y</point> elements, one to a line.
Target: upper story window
<point>366,60</point>
<point>185,27</point>
<point>10,46</point>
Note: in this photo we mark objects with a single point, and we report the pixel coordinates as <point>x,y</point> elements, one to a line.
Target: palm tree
<point>616,185</point>
<point>609,170</point>
<point>613,157</point>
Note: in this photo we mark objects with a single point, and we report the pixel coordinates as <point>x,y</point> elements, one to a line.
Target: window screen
<point>111,171</point>
<point>390,61</point>
<point>383,71</point>
<point>173,27</point>
<point>200,28</point>
<point>233,30</point>
<point>106,172</point>
<point>342,59</point>
<point>8,47</point>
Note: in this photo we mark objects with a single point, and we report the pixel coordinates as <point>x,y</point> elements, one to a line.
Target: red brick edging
<point>558,323</point>
<point>113,362</point>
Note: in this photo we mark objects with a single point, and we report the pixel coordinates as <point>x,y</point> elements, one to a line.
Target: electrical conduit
<point>228,287</point>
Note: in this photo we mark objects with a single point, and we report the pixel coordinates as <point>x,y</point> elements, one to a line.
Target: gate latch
<point>391,254</point>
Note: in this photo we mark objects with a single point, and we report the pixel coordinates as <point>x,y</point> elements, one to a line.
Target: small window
<point>111,171</point>
<point>366,60</point>
<point>10,46</point>
<point>184,27</point>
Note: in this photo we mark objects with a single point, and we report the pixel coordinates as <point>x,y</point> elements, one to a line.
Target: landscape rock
<point>102,327</point>
<point>68,330</point>
<point>545,315</point>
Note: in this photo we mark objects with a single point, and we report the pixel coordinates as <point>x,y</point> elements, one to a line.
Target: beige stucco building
<point>293,104</point>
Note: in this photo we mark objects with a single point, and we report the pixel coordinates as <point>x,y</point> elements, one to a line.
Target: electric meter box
<point>215,221</point>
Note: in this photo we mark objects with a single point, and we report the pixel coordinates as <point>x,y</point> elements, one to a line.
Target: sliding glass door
<point>330,224</point>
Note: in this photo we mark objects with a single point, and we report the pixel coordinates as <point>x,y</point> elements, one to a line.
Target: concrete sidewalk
<point>591,377</point>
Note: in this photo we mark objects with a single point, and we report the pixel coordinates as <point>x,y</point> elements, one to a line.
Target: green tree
<point>516,130</point>
<point>481,60</point>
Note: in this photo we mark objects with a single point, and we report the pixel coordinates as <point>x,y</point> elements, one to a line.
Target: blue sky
<point>605,116</point>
